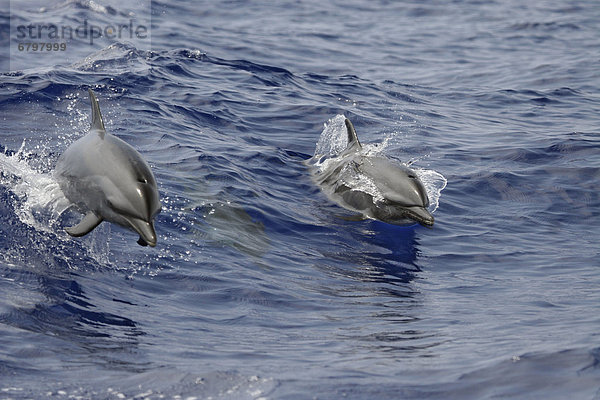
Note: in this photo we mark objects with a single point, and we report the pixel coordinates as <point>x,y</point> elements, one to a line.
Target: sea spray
<point>40,199</point>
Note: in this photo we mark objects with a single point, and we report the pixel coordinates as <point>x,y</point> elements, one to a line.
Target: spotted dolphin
<point>108,180</point>
<point>374,186</point>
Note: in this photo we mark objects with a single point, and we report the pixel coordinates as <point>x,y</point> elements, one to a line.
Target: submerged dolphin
<point>374,186</point>
<point>108,180</point>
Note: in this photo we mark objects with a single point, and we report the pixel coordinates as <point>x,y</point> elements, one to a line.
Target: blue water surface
<point>259,287</point>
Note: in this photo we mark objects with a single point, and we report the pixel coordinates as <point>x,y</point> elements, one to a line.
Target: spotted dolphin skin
<point>393,193</point>
<point>108,180</point>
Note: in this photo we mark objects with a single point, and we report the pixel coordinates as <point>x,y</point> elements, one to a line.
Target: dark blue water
<point>257,288</point>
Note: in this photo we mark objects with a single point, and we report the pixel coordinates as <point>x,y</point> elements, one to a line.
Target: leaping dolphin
<point>374,186</point>
<point>108,180</point>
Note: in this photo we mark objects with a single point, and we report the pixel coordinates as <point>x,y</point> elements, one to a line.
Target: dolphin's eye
<point>142,180</point>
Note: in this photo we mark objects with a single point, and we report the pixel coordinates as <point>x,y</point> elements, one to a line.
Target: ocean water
<point>259,287</point>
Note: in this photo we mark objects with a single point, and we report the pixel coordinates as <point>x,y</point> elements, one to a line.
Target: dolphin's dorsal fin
<point>352,138</point>
<point>97,122</point>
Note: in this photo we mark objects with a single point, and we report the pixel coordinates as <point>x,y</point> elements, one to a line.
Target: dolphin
<point>373,185</point>
<point>108,180</point>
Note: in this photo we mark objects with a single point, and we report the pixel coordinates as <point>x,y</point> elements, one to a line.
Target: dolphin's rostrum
<point>108,180</point>
<point>373,185</point>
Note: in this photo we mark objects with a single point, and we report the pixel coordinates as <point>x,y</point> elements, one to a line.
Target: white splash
<point>40,200</point>
<point>434,183</point>
<point>333,139</point>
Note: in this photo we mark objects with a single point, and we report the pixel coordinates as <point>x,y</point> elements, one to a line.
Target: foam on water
<point>41,200</point>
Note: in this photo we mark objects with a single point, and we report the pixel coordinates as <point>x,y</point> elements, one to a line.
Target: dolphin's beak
<point>145,230</point>
<point>421,215</point>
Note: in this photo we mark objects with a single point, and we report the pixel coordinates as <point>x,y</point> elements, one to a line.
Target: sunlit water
<point>257,288</point>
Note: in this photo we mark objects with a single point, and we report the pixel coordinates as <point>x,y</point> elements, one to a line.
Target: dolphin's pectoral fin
<point>358,199</point>
<point>87,224</point>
